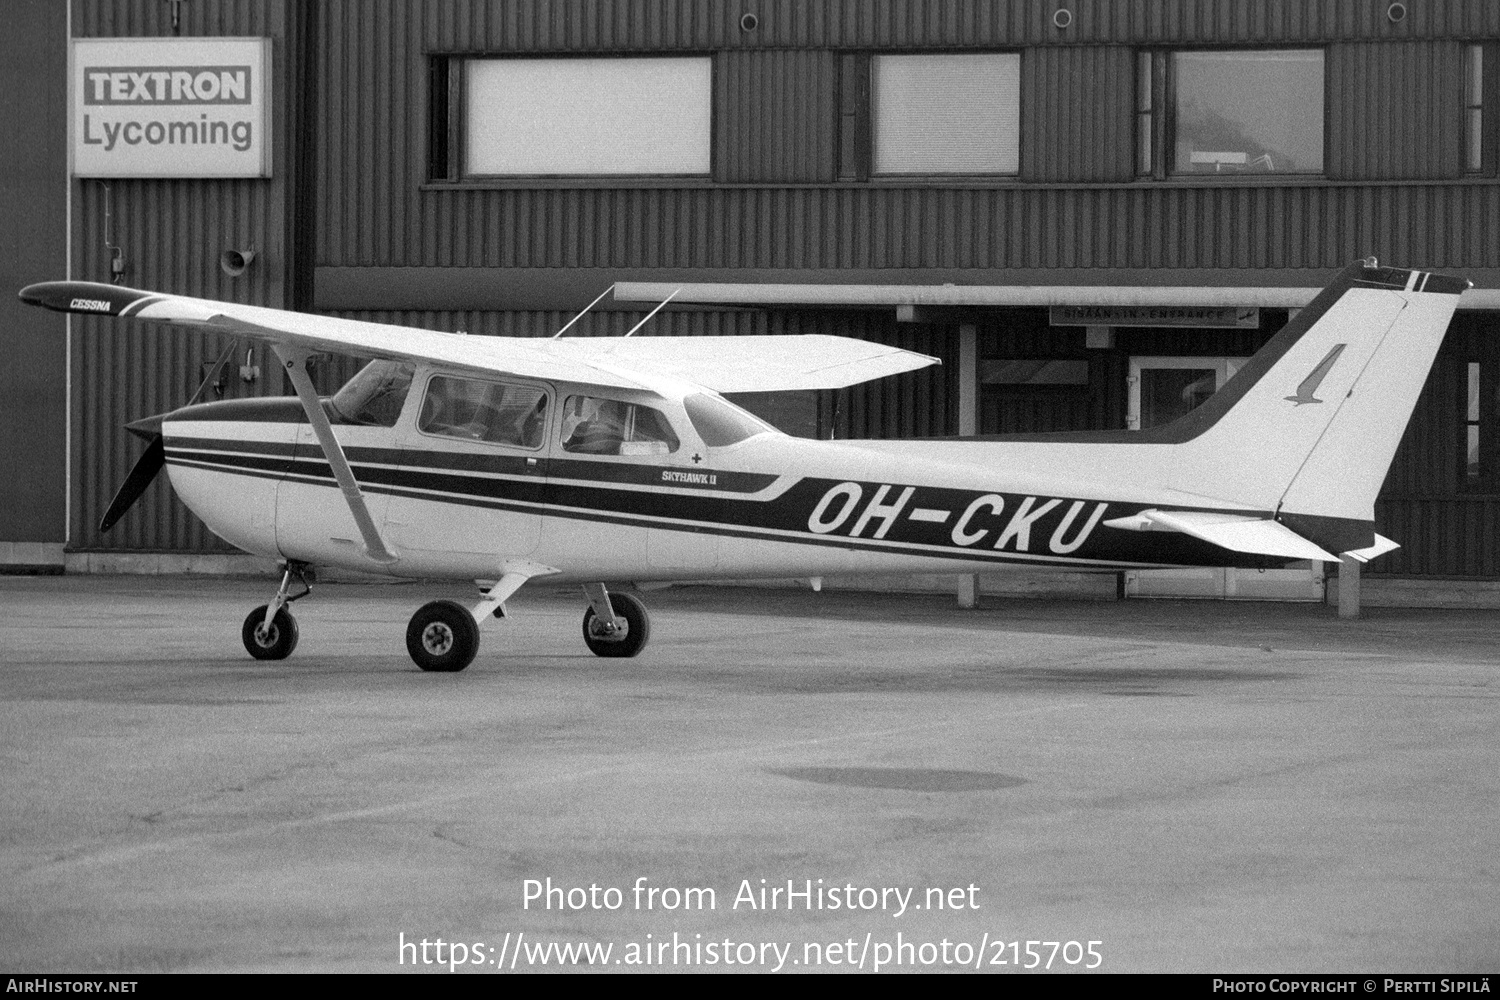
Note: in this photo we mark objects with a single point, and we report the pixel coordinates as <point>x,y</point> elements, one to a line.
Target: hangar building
<point>1091,210</point>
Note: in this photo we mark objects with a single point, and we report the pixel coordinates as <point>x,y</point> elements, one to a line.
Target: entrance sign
<point>170,107</point>
<point>1234,317</point>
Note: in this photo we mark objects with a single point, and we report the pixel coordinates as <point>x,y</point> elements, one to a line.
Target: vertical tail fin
<point>1308,427</point>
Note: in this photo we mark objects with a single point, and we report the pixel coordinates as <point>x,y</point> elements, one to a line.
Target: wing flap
<point>762,363</point>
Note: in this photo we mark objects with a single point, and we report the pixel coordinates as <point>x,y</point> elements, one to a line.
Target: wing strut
<point>295,362</point>
<point>586,308</point>
<point>653,312</point>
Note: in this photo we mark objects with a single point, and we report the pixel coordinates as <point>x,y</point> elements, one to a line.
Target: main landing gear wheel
<point>442,636</point>
<point>270,642</point>
<point>627,640</point>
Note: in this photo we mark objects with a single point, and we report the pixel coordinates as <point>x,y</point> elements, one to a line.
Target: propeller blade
<point>155,456</point>
<point>146,468</point>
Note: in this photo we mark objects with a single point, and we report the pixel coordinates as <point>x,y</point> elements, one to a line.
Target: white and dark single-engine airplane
<point>608,461</point>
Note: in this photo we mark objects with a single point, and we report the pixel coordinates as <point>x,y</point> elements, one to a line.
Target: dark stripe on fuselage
<point>727,531</point>
<point>1033,528</point>
<point>495,463</point>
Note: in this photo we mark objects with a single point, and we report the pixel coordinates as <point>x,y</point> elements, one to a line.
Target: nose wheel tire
<point>442,637</point>
<point>270,642</point>
<point>627,640</point>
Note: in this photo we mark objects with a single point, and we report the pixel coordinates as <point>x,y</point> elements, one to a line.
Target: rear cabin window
<point>719,422</point>
<point>594,426</point>
<point>374,396</point>
<point>494,412</point>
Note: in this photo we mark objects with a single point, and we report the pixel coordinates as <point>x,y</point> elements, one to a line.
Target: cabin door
<point>472,475</point>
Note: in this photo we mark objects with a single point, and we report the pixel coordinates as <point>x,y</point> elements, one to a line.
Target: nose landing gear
<point>270,631</point>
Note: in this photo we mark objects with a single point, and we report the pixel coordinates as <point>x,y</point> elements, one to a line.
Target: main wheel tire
<point>273,642</point>
<point>626,642</point>
<point>442,636</point>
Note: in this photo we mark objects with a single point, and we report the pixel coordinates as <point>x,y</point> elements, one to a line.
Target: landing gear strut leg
<point>283,593</point>
<point>604,613</point>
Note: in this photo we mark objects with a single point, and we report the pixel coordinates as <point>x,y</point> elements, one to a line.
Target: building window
<point>1247,111</point>
<point>1145,113</point>
<point>1479,448</point>
<point>1473,478</point>
<point>1479,93</point>
<point>947,114</point>
<point>586,117</point>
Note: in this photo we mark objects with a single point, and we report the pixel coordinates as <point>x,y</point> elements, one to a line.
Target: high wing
<point>723,364</point>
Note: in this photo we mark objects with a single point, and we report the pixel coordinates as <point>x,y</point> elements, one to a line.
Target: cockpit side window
<point>473,410</point>
<point>595,426</point>
<point>720,423</point>
<point>495,412</point>
<point>374,396</point>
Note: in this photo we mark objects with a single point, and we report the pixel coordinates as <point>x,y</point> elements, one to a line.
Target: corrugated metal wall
<point>783,138</point>
<point>171,233</point>
<point>1442,531</point>
<point>1078,113</point>
<point>33,247</point>
<point>1185,226</point>
<point>787,133</point>
<point>570,25</point>
<point>1394,112</point>
<point>1410,89</point>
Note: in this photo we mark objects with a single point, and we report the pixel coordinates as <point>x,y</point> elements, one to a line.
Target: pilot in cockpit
<point>594,426</point>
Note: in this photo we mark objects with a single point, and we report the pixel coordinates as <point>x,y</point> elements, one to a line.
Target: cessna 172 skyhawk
<point>610,460</point>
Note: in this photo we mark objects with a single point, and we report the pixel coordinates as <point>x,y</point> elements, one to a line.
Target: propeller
<point>155,456</point>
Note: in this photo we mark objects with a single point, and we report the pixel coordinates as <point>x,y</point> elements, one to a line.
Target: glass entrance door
<point>1163,389</point>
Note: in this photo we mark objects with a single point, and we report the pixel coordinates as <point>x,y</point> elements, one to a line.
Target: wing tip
<point>89,298</point>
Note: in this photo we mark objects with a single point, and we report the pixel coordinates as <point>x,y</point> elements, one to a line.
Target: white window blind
<point>948,114</point>
<point>588,116</point>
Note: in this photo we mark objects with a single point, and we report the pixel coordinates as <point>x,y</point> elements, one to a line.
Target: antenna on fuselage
<point>586,308</point>
<point>654,311</point>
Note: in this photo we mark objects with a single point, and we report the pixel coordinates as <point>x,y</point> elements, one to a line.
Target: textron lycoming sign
<point>171,107</point>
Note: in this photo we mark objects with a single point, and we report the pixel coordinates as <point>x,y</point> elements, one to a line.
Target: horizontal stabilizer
<point>1381,547</point>
<point>1236,532</point>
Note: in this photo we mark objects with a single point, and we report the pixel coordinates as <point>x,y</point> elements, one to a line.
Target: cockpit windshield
<point>375,395</point>
<point>720,423</point>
